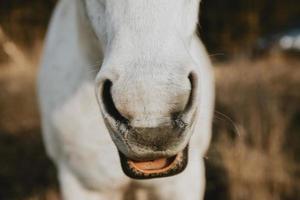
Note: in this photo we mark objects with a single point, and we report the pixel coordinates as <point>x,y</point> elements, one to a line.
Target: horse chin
<point>157,168</point>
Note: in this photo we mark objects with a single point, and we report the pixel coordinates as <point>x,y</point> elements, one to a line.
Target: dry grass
<point>255,151</point>
<point>25,172</point>
<point>255,146</point>
<point>18,108</point>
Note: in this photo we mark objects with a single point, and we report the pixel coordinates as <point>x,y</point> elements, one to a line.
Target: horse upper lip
<point>137,146</point>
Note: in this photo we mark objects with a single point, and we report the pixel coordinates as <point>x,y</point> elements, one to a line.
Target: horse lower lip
<point>161,167</point>
<point>154,166</point>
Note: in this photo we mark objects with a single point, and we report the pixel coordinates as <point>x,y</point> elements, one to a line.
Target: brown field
<point>256,143</point>
<point>257,126</point>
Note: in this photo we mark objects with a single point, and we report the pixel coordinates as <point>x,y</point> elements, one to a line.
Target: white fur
<point>112,34</point>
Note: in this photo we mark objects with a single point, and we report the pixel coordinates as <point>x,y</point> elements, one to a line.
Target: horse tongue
<point>153,164</point>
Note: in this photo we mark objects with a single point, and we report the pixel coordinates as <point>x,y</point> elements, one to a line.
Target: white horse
<point>122,87</point>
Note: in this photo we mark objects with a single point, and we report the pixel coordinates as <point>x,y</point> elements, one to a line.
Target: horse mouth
<point>161,167</point>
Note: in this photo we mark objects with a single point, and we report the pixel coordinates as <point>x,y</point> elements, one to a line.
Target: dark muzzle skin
<point>159,138</point>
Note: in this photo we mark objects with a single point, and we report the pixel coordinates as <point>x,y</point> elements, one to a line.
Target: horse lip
<point>161,167</point>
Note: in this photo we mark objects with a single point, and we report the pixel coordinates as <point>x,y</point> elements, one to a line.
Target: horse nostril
<point>109,104</point>
<point>192,98</point>
<point>181,119</point>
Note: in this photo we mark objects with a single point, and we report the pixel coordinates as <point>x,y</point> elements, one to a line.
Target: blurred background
<point>255,48</point>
